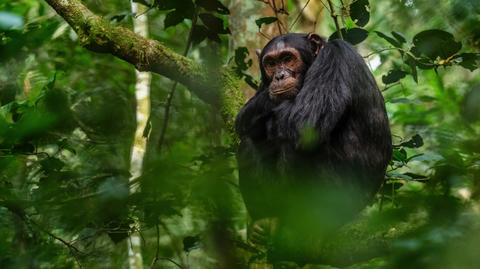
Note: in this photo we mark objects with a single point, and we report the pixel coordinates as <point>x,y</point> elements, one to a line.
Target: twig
<point>391,85</point>
<point>172,261</point>
<point>299,14</point>
<point>381,50</point>
<point>274,7</point>
<point>172,90</point>
<point>263,35</point>
<point>71,248</point>
<point>157,250</point>
<point>335,18</point>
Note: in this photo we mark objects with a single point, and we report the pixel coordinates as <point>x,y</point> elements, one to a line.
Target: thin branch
<point>172,90</point>
<point>274,7</point>
<point>299,14</point>
<point>379,51</point>
<point>71,248</point>
<point>157,248</point>
<point>172,261</point>
<point>335,19</point>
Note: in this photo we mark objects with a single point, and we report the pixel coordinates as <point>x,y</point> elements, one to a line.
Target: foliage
<point>67,118</point>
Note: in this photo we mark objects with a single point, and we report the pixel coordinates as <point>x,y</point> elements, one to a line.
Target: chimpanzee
<point>315,144</point>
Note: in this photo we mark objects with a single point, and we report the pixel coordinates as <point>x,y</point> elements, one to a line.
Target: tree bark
<point>142,96</point>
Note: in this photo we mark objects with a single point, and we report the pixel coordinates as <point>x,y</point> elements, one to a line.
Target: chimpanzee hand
<point>260,232</point>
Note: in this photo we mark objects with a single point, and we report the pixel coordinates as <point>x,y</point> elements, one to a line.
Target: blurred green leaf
<point>173,18</point>
<point>469,61</point>
<point>399,37</point>
<point>393,76</point>
<point>214,24</point>
<point>471,105</point>
<point>213,5</point>
<point>199,34</point>
<point>390,40</point>
<point>399,155</point>
<point>415,142</point>
<point>435,44</point>
<point>191,243</point>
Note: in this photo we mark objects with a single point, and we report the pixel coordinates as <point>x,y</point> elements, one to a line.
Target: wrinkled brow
<point>276,53</point>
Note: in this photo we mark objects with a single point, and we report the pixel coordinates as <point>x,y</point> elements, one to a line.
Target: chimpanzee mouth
<point>284,90</point>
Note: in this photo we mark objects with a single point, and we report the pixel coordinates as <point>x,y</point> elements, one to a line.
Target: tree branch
<point>96,34</point>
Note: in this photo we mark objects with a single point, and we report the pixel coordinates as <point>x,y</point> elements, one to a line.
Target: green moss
<point>232,100</point>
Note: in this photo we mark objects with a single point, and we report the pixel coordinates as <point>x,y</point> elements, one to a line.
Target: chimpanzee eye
<point>287,57</point>
<point>268,63</point>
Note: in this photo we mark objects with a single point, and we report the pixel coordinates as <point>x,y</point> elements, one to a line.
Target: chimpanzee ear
<point>258,52</point>
<point>316,41</point>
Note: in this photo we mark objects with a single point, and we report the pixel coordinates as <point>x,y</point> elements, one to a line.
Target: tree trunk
<point>142,94</point>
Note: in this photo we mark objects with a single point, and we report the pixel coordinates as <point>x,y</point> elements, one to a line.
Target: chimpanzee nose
<point>280,76</point>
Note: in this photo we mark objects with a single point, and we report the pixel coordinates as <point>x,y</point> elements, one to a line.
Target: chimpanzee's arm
<point>330,88</point>
<point>252,119</point>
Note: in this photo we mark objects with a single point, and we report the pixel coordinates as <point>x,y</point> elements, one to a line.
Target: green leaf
<point>470,61</point>
<point>415,176</point>
<point>470,108</point>
<point>185,6</point>
<point>399,37</point>
<point>390,40</point>
<point>191,242</point>
<point>435,44</point>
<point>413,67</point>
<point>173,18</point>
<point>213,5</point>
<point>199,33</point>
<point>359,12</point>
<point>415,142</point>
<point>393,76</point>
<point>399,155</point>
<point>265,20</point>
<point>51,164</point>
<point>241,54</point>
<point>119,17</point>
<point>214,24</point>
<point>354,36</point>
<point>402,100</point>
<point>10,21</point>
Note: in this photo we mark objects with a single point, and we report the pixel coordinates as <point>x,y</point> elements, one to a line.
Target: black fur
<point>285,175</point>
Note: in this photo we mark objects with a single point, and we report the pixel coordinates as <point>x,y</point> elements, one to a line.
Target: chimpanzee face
<point>284,62</point>
<point>284,68</point>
